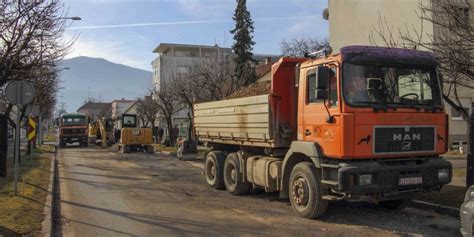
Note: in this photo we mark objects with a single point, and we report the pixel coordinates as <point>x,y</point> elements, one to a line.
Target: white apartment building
<point>179,58</point>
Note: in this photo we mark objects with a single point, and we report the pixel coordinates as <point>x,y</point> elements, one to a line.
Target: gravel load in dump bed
<point>258,88</point>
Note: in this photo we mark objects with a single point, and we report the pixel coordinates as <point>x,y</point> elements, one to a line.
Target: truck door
<point>319,124</point>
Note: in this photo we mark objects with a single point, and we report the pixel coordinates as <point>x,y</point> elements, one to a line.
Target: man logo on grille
<point>406,146</point>
<point>407,137</point>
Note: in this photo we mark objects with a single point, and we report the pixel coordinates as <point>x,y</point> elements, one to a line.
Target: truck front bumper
<point>393,178</point>
<point>74,138</point>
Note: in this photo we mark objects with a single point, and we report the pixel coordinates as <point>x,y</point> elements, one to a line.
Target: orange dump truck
<point>367,123</point>
<point>73,128</point>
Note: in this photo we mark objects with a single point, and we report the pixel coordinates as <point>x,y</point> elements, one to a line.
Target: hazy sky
<point>126,31</point>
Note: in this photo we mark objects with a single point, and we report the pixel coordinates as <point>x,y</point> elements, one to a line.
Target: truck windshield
<point>68,121</point>
<point>369,85</point>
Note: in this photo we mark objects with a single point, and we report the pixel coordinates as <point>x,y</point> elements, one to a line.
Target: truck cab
<point>377,117</point>
<point>366,124</point>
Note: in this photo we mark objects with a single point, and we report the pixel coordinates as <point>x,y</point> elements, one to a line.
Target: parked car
<point>467,213</point>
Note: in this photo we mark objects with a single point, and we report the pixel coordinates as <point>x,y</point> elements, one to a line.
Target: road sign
<point>31,129</point>
<point>19,92</point>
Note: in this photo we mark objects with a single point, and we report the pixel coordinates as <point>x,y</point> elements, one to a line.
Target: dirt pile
<point>258,88</point>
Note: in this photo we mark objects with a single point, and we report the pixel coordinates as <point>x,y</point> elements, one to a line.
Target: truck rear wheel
<point>306,191</point>
<point>214,169</point>
<point>233,177</point>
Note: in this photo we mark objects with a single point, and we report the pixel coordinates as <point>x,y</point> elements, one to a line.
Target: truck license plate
<point>410,181</point>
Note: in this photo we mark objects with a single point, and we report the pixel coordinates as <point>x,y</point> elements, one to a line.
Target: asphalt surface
<point>104,193</point>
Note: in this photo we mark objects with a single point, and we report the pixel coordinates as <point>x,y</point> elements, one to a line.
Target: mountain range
<point>85,78</point>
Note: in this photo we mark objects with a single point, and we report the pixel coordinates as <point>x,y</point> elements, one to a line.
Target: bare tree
<point>206,80</point>
<point>167,104</point>
<point>452,42</point>
<point>298,46</point>
<point>31,45</point>
<point>147,110</point>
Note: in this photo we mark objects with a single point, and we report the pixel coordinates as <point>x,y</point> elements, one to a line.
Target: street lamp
<point>74,18</point>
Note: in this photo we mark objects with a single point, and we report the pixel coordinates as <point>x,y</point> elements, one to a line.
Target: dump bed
<point>235,121</point>
<point>264,121</point>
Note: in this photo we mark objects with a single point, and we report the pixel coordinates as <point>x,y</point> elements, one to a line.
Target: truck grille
<point>73,131</point>
<point>403,139</point>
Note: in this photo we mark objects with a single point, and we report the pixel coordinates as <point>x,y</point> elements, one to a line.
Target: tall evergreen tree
<point>243,44</point>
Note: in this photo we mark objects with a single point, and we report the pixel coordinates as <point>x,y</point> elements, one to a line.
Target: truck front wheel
<point>214,169</point>
<point>233,176</point>
<point>306,191</point>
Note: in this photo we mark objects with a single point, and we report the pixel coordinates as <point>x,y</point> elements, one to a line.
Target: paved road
<point>111,194</point>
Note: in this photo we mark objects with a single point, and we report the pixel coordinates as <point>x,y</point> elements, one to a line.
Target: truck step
<point>330,166</point>
<point>329,182</point>
<point>332,197</point>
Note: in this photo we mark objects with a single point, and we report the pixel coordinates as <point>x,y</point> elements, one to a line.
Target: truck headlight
<point>365,179</point>
<point>443,173</point>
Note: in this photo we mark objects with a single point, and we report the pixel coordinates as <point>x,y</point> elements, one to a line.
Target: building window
<point>456,144</point>
<point>457,115</point>
<point>180,53</point>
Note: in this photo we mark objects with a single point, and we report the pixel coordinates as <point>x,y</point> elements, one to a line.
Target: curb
<point>454,158</point>
<point>445,210</point>
<point>47,224</point>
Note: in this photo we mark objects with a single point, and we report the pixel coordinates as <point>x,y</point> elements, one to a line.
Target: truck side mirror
<point>322,78</point>
<point>322,83</point>
<point>321,94</point>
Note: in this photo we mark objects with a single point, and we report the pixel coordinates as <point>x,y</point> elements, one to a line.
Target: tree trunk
<point>169,123</point>
<point>190,127</point>
<point>470,152</point>
<point>3,145</point>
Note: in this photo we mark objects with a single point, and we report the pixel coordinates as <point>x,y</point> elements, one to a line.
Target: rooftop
<point>123,101</point>
<point>163,47</point>
<point>94,106</point>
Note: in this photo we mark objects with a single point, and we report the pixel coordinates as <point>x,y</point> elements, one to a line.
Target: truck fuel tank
<point>265,172</point>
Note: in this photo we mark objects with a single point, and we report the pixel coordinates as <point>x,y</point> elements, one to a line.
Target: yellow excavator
<point>133,138</point>
<point>93,128</point>
<point>102,131</point>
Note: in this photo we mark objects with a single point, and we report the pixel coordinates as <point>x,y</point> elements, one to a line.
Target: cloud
<point>148,24</point>
<point>183,22</point>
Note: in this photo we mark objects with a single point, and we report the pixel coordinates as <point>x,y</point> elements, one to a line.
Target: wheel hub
<point>233,175</point>
<point>300,191</point>
<point>213,170</point>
